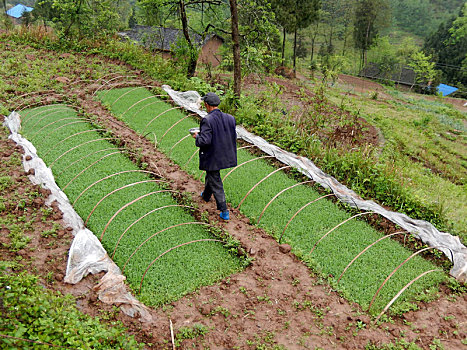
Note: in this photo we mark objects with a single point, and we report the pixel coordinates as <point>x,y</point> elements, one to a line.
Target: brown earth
<point>276,301</point>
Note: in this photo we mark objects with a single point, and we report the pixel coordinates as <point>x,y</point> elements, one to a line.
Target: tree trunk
<point>236,49</point>
<point>192,60</point>
<point>294,50</point>
<point>4,5</point>
<point>283,46</point>
<point>345,40</point>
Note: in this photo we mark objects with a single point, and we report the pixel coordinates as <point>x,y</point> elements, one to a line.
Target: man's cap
<point>211,99</point>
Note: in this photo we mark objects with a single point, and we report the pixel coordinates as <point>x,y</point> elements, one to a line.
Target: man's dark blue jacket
<point>217,140</point>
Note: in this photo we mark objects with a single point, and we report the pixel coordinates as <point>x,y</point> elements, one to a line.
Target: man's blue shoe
<point>225,215</point>
<point>201,195</point>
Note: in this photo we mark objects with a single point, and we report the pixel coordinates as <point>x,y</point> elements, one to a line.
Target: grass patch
<point>34,317</point>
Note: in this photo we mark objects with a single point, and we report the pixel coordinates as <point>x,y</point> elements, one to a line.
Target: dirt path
<point>277,302</point>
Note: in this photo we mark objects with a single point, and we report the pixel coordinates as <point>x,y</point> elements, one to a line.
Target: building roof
<point>18,10</point>
<point>446,89</point>
<point>160,38</point>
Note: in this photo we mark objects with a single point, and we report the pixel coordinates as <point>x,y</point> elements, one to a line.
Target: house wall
<point>210,52</point>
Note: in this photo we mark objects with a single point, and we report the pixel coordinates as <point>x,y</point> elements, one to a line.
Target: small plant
<point>197,331</point>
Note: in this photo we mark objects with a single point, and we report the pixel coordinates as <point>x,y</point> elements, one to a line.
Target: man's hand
<point>195,134</point>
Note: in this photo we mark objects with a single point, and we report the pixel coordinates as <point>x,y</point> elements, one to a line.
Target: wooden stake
<point>172,334</point>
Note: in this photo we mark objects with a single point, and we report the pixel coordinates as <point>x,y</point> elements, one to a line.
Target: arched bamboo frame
<point>189,160</point>
<point>53,112</point>
<point>89,166</point>
<point>259,182</point>
<point>145,106</point>
<point>169,250</point>
<point>106,82</point>
<point>131,203</point>
<point>246,162</point>
<point>278,194</point>
<point>112,175</point>
<point>90,154</point>
<point>129,92</point>
<point>43,92</point>
<point>335,227</point>
<point>183,138</point>
<point>157,116</point>
<point>155,234</point>
<point>47,108</point>
<point>393,272</point>
<point>364,250</point>
<point>173,125</point>
<point>115,191</point>
<point>139,101</point>
<point>38,105</point>
<point>244,147</point>
<point>54,122</point>
<point>80,145</point>
<point>68,137</point>
<point>142,217</point>
<point>402,291</point>
<point>197,150</point>
<point>80,120</point>
<point>121,84</point>
<point>300,210</point>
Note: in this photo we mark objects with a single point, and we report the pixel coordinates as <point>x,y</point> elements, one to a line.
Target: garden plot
<point>163,251</point>
<point>325,237</point>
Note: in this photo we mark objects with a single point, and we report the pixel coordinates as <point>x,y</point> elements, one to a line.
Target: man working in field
<point>218,150</point>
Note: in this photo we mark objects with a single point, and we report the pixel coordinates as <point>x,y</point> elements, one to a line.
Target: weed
<point>33,313</point>
<point>197,331</point>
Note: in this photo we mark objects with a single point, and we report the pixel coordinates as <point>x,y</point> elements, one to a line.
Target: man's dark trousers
<point>213,186</point>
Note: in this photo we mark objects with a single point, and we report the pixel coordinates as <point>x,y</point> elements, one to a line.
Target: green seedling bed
<point>79,156</point>
<point>168,127</point>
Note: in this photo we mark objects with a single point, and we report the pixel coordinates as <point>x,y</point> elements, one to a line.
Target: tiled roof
<point>160,38</point>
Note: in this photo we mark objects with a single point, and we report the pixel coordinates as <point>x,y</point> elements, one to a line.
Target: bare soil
<point>277,301</point>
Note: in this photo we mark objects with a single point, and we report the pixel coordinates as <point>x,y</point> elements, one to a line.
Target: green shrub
<point>32,316</point>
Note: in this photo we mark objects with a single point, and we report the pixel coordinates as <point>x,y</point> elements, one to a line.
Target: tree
<point>370,17</point>
<point>424,69</point>
<point>449,52</point>
<point>80,18</point>
<point>236,48</point>
<point>180,8</point>
<point>4,5</point>
<point>459,26</point>
<point>294,15</point>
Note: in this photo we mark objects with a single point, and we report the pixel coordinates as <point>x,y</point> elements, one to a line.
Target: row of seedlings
<point>364,266</point>
<point>161,249</point>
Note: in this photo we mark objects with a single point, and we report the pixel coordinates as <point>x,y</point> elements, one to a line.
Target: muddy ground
<point>277,302</point>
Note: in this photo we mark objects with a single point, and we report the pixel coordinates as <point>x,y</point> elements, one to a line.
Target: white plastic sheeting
<point>86,254</point>
<point>450,245</point>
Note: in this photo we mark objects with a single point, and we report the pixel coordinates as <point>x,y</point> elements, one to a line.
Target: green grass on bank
<point>425,142</point>
<point>79,156</point>
<point>169,127</point>
<point>33,317</point>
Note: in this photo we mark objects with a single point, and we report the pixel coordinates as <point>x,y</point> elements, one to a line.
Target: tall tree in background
<point>370,17</point>
<point>283,18</point>
<point>293,15</point>
<point>448,51</point>
<point>236,48</point>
